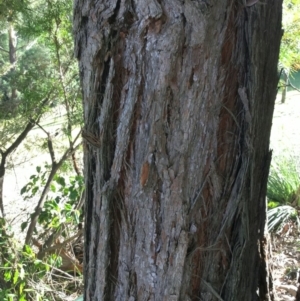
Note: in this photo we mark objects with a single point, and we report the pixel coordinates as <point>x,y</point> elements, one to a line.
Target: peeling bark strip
<point>178,103</point>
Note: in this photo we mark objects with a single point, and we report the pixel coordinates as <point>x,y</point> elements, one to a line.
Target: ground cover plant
<point>283,192</point>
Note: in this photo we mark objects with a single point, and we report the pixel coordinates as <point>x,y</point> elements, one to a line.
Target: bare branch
<point>63,244</point>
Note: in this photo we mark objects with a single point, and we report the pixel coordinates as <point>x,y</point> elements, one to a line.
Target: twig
<point>49,143</point>
<point>63,244</point>
<point>42,128</point>
<point>2,49</point>
<point>289,85</point>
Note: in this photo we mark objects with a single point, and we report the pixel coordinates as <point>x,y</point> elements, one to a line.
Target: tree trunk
<point>2,174</point>
<point>12,38</point>
<point>285,76</point>
<point>178,103</point>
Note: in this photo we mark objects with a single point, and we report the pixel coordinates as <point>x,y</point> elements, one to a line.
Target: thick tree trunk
<point>178,103</point>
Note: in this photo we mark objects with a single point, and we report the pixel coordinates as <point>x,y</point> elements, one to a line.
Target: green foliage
<point>284,181</point>
<point>39,77</point>
<point>44,67</point>
<point>21,270</point>
<point>60,206</point>
<point>283,192</point>
<point>18,269</point>
<point>9,9</point>
<point>25,277</point>
<point>289,58</point>
<point>35,184</point>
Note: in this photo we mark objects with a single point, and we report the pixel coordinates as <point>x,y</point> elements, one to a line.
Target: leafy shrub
<point>27,274</point>
<point>283,192</point>
<point>24,277</point>
<point>61,205</point>
<point>18,269</point>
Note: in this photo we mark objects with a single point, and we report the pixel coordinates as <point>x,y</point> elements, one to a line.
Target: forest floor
<point>285,140</point>
<point>286,125</point>
<point>285,265</point>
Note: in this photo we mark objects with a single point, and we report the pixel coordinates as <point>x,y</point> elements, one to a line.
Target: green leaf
<point>34,190</point>
<point>76,216</point>
<point>68,207</point>
<point>37,261</point>
<point>53,188</point>
<point>272,204</point>
<point>24,226</point>
<point>61,181</point>
<point>16,276</point>
<point>55,223</point>
<point>7,275</point>
<point>28,251</point>
<point>38,169</point>
<point>24,189</point>
<point>22,298</point>
<point>73,195</point>
<point>21,287</point>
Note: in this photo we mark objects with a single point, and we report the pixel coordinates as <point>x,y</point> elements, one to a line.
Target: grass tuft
<point>283,192</point>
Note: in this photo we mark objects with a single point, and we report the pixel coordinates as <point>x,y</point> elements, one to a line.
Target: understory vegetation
<point>42,258</point>
<point>283,194</point>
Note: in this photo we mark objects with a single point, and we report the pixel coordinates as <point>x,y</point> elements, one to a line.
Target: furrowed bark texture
<point>178,103</point>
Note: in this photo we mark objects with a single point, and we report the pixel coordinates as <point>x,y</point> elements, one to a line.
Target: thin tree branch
<point>49,143</point>
<point>63,244</point>
<point>55,167</point>
<point>13,146</point>
<point>289,85</point>
<point>2,49</point>
<point>42,128</point>
<point>27,129</point>
<point>30,125</point>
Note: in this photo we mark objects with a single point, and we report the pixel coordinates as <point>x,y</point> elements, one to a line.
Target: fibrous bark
<point>178,103</point>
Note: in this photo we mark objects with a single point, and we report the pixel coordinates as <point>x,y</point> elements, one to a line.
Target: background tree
<point>39,89</point>
<point>178,102</point>
<point>289,59</point>
<point>38,75</point>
